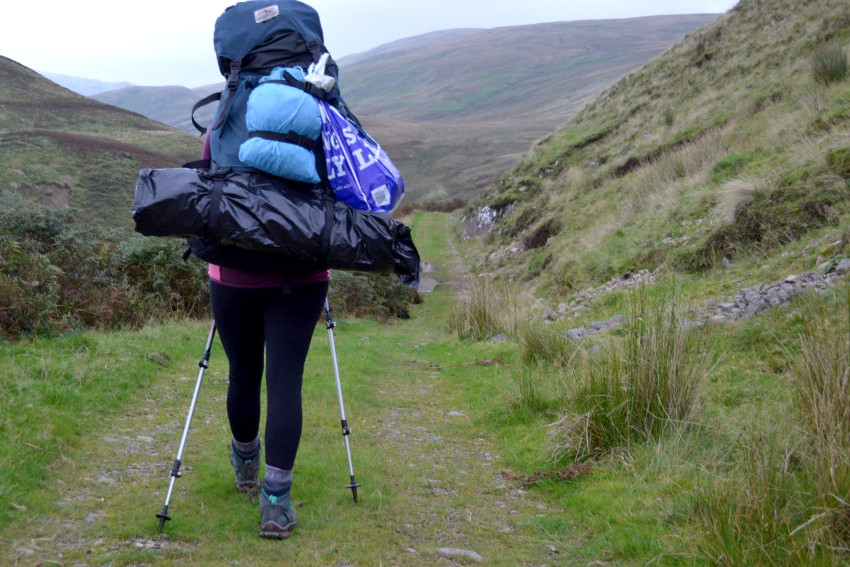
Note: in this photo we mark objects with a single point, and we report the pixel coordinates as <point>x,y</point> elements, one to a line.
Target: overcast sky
<point>169,42</point>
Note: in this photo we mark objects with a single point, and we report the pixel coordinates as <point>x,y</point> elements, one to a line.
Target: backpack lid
<point>245,25</point>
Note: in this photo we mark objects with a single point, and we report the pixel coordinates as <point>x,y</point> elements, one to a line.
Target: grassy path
<point>420,406</point>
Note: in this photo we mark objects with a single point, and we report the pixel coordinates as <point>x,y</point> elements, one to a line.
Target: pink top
<point>244,278</point>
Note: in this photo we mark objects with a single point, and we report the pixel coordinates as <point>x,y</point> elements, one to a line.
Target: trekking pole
<point>330,324</point>
<point>175,469</point>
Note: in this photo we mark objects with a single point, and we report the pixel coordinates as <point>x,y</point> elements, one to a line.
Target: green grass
<point>54,390</point>
<point>94,420</point>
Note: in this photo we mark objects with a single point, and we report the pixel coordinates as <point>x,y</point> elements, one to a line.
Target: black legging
<point>247,320</point>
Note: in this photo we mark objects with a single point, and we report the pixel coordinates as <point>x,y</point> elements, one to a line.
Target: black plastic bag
<point>264,223</point>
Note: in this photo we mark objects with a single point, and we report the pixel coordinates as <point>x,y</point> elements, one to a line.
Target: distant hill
<point>87,87</point>
<point>169,105</point>
<point>524,74</point>
<point>456,108</point>
<point>62,148</point>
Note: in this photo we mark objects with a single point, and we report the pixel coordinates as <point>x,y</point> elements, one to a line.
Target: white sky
<point>169,42</point>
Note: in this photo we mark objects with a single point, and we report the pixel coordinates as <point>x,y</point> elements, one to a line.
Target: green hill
<point>65,149</point>
<point>169,105</point>
<point>726,151</point>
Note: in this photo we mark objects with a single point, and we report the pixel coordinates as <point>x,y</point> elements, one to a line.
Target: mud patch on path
<point>427,284</point>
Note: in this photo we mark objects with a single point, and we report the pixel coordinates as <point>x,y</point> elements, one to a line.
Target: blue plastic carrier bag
<point>359,170</point>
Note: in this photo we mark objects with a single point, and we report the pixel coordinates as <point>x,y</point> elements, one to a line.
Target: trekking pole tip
<point>163,517</point>
<point>353,486</point>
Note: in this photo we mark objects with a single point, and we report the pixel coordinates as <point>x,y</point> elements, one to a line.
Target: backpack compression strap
<point>291,81</point>
<point>290,138</point>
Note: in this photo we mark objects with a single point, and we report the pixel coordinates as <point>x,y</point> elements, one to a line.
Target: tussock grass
<point>486,309</point>
<point>787,499</point>
<point>813,101</point>
<point>829,64</point>
<point>758,517</point>
<point>735,195</point>
<point>822,386</point>
<point>542,344</point>
<point>638,388</point>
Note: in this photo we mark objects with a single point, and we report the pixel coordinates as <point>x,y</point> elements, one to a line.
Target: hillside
<point>169,105</point>
<point>446,105</point>
<point>724,152</point>
<point>480,76</point>
<point>68,150</point>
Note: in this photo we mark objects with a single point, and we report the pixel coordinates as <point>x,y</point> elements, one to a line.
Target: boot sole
<point>248,487</point>
<point>275,531</point>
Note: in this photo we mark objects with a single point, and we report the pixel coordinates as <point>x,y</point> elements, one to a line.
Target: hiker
<point>260,313</point>
<point>256,314</point>
<point>269,121</point>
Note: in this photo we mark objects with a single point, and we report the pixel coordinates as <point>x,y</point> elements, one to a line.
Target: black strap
<point>198,164</point>
<point>289,137</point>
<point>232,83</point>
<point>203,102</point>
<point>215,205</point>
<point>316,48</point>
<point>290,81</point>
<point>328,228</point>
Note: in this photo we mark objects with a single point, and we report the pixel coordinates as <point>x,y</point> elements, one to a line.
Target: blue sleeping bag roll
<point>282,109</point>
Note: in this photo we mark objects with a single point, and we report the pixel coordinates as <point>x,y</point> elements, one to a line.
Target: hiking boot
<point>277,518</point>
<point>247,471</point>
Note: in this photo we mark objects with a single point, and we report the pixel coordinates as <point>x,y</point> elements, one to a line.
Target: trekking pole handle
<point>329,321</point>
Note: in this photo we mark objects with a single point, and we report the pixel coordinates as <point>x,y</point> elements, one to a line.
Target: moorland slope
<point>65,149</point>
<point>729,150</point>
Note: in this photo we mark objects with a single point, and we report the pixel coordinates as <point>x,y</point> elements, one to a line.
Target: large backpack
<point>251,39</point>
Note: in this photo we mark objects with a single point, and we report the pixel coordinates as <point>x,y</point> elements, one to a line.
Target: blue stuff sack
<point>359,170</point>
<point>284,128</point>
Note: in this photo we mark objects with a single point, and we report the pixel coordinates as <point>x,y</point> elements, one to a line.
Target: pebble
<point>576,334</point>
<point>452,552</point>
